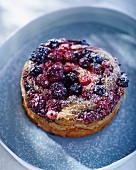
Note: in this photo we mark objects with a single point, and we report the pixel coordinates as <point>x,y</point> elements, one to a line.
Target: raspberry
<point>84,80</point>
<point>68,67</point>
<point>51,114</point>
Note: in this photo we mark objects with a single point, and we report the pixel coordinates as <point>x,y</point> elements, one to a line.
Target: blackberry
<point>40,54</point>
<point>75,89</point>
<point>86,53</point>
<point>36,70</point>
<point>37,102</point>
<point>123,80</point>
<point>84,62</point>
<point>55,73</point>
<point>70,79</point>
<point>58,91</point>
<point>53,43</point>
<point>99,90</point>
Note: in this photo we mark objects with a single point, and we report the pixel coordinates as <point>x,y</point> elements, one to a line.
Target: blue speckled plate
<point>104,28</point>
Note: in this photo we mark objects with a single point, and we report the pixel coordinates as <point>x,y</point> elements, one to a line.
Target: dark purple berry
<point>53,104</point>
<point>53,43</point>
<point>58,91</point>
<point>87,116</point>
<point>55,73</point>
<point>75,89</point>
<point>123,80</point>
<point>27,87</point>
<point>36,70</point>
<point>84,62</point>
<point>70,79</point>
<point>99,90</point>
<point>40,54</point>
<point>96,58</point>
<point>86,53</point>
<point>82,42</point>
<point>37,102</point>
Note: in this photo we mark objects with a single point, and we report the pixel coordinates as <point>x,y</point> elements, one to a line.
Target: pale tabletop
<point>15,14</point>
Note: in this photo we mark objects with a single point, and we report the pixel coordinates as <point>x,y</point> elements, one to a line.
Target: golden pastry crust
<point>67,123</point>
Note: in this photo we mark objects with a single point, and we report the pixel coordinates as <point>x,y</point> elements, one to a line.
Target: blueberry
<point>86,53</point>
<point>58,91</point>
<point>123,80</point>
<point>36,70</point>
<point>27,87</point>
<point>53,43</point>
<point>82,42</point>
<point>84,62</point>
<point>99,90</point>
<point>70,79</point>
<point>75,89</point>
<point>96,58</point>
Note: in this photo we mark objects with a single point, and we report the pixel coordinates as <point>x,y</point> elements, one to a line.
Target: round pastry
<point>72,89</point>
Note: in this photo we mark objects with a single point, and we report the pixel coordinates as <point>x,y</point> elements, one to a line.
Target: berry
<point>70,79</point>
<point>53,104</point>
<point>82,42</point>
<point>58,91</point>
<point>100,81</point>
<point>84,62</point>
<point>87,116</point>
<point>27,87</point>
<point>86,95</point>
<point>36,70</point>
<point>68,67</point>
<point>56,56</point>
<point>86,53</point>
<point>40,54</point>
<point>51,114</point>
<point>72,56</point>
<point>75,89</point>
<point>99,90</point>
<point>55,73</point>
<point>37,102</point>
<point>53,43</point>
<point>96,58</point>
<point>42,80</point>
<point>84,80</point>
<point>123,80</point>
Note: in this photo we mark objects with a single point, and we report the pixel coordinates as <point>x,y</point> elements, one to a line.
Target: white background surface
<point>15,14</point>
